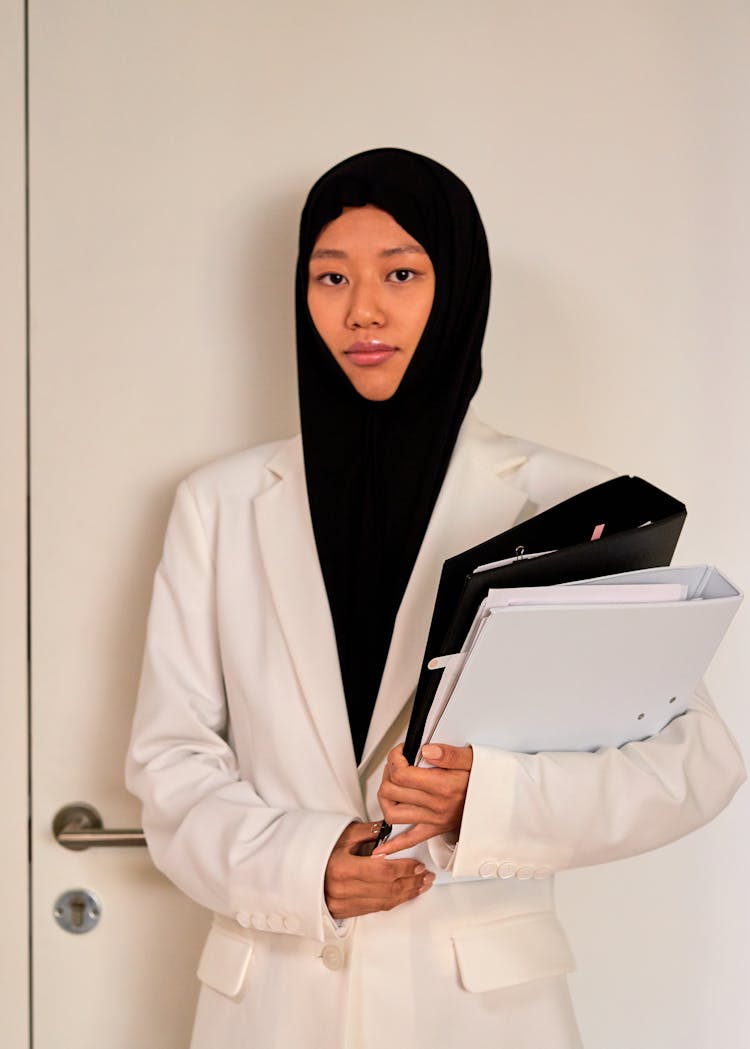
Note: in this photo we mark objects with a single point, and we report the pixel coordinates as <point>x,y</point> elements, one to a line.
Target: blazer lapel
<point>475,502</point>
<point>290,559</point>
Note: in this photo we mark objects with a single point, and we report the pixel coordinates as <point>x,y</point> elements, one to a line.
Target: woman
<point>289,618</point>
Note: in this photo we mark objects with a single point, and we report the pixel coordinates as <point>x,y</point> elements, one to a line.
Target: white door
<point>137,376</point>
<point>14,982</point>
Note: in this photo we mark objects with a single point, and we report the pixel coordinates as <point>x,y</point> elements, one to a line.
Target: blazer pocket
<point>225,959</point>
<point>511,951</point>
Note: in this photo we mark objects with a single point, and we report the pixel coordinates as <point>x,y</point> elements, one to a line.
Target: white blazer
<point>242,756</point>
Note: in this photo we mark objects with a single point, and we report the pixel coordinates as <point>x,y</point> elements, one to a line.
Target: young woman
<point>289,617</point>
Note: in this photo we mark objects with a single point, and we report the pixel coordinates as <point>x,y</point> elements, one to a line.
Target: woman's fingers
<point>383,879</point>
<point>359,885</point>
<point>433,795</point>
<point>343,865</point>
<point>441,804</point>
<point>354,907</point>
<point>357,833</point>
<point>442,756</point>
<point>436,780</point>
<point>352,888</point>
<point>406,839</point>
<point>351,898</point>
<point>391,792</point>
<point>439,819</point>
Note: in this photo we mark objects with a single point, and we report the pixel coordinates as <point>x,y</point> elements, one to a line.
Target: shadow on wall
<point>542,354</point>
<point>263,302</point>
<point>572,365</point>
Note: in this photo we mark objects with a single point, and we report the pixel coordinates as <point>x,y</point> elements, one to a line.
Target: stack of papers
<point>583,665</point>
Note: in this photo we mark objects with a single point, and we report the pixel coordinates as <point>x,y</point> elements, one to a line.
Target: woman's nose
<point>364,309</point>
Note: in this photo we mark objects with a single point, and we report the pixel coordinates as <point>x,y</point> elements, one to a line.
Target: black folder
<point>641,527</point>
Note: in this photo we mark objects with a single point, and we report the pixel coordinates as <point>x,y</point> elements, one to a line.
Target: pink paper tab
<point>597,534</point>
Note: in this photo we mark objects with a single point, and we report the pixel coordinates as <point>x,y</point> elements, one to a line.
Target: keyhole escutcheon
<point>77,911</point>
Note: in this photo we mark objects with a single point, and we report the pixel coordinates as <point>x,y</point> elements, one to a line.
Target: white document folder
<point>578,676</point>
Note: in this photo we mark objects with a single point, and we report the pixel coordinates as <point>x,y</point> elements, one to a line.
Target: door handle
<point>79,826</point>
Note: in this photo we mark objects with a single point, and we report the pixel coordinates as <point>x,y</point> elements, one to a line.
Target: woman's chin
<point>375,387</point>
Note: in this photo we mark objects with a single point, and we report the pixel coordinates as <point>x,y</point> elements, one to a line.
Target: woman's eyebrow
<point>327,253</point>
<point>402,249</point>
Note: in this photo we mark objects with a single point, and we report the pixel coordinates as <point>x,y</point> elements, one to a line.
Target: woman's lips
<point>367,354</point>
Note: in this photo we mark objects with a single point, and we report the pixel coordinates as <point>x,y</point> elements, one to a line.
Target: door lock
<point>77,911</point>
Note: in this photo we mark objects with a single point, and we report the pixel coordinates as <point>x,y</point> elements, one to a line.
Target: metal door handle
<point>79,826</point>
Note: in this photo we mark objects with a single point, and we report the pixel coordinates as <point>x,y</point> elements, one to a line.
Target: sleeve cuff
<point>442,849</point>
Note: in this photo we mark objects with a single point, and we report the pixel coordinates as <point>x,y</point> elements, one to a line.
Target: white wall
<point>607,147</point>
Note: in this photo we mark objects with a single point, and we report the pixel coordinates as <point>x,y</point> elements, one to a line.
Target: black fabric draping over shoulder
<point>374,469</point>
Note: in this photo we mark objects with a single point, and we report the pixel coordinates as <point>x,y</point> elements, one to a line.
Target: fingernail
<point>432,751</point>
<point>425,888</point>
<point>419,868</point>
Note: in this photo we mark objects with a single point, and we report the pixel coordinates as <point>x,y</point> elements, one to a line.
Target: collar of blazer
<point>478,499</point>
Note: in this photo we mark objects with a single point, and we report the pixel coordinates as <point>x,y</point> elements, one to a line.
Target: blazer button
<point>258,921</point>
<point>524,873</point>
<point>243,918</point>
<point>292,923</point>
<point>506,870</point>
<point>488,869</point>
<point>332,957</point>
<point>275,923</point>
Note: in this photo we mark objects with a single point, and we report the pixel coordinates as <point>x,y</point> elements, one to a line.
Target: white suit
<point>242,756</point>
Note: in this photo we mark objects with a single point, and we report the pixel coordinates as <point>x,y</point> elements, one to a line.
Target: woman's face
<point>370,292</point>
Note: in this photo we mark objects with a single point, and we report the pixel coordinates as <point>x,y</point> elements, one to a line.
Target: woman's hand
<point>362,884</point>
<point>432,799</point>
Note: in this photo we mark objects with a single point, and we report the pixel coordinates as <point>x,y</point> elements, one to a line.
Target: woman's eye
<point>332,279</point>
<point>401,276</point>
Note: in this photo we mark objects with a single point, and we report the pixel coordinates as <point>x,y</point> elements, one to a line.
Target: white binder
<point>578,676</point>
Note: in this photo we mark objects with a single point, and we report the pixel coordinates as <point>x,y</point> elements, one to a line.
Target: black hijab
<point>374,468</point>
